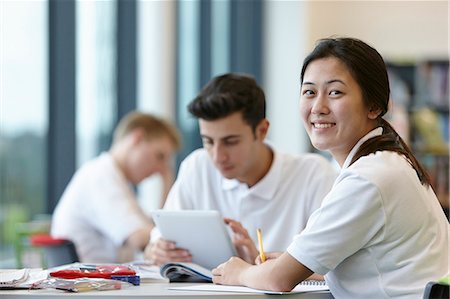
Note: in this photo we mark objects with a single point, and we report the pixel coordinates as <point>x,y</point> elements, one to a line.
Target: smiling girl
<point>380,232</point>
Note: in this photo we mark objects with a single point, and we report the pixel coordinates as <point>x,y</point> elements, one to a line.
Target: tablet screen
<point>203,233</point>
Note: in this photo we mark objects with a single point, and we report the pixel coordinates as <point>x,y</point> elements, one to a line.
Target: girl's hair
<point>369,70</point>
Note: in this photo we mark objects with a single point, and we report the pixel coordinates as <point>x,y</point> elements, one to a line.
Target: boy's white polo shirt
<point>280,203</point>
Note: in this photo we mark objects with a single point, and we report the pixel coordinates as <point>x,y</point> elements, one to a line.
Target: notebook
<point>303,287</point>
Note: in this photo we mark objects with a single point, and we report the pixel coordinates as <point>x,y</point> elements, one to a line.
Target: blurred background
<point>69,69</point>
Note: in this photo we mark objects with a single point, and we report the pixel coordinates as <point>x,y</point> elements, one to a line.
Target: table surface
<point>148,290</point>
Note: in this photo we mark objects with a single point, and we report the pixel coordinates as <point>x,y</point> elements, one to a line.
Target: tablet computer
<point>203,233</point>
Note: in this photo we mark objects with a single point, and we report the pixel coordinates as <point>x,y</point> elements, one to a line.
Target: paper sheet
<point>238,289</point>
<point>147,271</point>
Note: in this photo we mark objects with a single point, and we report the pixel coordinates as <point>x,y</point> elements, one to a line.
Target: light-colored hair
<point>153,127</point>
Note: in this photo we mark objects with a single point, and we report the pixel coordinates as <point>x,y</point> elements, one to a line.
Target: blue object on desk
<point>133,279</point>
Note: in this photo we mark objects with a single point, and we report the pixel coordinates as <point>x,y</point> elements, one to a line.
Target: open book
<point>185,272</point>
<point>21,278</point>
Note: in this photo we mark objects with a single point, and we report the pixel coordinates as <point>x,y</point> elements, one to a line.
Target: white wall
<point>156,76</point>
<point>156,57</point>
<point>284,44</point>
<point>401,30</point>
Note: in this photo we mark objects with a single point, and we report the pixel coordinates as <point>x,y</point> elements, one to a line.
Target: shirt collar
<point>266,187</point>
<point>228,184</point>
<point>375,132</point>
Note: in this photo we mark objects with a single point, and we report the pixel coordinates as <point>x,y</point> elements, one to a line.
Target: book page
<point>147,272</point>
<point>301,288</point>
<point>12,277</point>
<point>22,278</point>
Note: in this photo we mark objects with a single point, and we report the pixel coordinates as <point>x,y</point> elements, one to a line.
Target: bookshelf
<point>420,113</point>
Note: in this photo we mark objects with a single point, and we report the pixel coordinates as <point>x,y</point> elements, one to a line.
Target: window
<point>96,75</point>
<point>23,117</point>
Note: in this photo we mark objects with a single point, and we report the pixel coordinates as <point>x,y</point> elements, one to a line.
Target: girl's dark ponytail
<point>391,141</point>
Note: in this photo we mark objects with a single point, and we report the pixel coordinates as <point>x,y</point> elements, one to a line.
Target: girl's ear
<point>374,113</point>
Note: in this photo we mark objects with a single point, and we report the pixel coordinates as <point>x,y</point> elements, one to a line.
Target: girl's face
<point>332,107</point>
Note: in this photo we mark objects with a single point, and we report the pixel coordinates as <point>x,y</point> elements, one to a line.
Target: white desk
<point>147,290</point>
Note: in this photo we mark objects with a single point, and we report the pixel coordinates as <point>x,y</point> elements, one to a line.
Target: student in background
<point>99,211</point>
<point>380,232</point>
<point>243,177</point>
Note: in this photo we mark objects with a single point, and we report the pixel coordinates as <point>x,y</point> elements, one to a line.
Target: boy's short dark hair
<point>227,94</point>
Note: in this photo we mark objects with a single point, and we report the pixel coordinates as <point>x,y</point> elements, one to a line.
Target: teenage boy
<point>98,211</point>
<point>237,173</point>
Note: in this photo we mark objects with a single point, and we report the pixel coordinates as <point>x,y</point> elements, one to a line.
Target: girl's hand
<point>269,256</point>
<point>229,273</point>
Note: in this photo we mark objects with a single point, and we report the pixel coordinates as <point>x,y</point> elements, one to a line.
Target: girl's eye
<point>307,92</point>
<point>335,92</point>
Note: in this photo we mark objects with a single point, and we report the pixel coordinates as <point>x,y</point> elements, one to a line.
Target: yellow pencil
<point>261,250</point>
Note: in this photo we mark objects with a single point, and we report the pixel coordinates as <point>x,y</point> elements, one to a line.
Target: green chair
<point>23,232</point>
